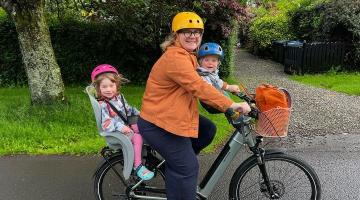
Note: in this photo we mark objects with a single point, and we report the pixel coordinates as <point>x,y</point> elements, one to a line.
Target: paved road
<point>336,159</point>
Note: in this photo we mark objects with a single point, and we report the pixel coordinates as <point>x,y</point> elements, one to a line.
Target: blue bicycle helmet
<point>210,48</point>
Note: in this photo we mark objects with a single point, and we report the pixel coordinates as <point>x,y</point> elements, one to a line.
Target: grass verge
<point>65,129</point>
<point>348,83</point>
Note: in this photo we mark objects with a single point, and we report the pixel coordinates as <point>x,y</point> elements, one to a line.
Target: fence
<point>314,57</point>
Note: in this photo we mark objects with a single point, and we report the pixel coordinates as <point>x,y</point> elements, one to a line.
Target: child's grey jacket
<point>110,121</point>
<point>211,77</point>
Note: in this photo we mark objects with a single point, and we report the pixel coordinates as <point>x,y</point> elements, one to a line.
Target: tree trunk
<point>43,72</point>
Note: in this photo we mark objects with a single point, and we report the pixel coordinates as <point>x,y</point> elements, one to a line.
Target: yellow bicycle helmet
<point>186,20</point>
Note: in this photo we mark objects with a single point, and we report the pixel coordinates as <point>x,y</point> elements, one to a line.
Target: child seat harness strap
<point>117,111</point>
<point>211,77</point>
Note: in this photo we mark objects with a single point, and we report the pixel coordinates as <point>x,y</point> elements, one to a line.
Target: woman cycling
<point>169,118</point>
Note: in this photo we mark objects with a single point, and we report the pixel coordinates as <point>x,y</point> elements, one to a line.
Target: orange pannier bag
<point>275,108</point>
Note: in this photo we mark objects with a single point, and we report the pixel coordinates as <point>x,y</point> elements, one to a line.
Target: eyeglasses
<point>188,33</point>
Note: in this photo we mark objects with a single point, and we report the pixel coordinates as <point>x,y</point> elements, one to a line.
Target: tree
<point>43,72</point>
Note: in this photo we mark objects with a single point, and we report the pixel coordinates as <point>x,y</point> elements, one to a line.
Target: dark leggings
<point>180,154</point>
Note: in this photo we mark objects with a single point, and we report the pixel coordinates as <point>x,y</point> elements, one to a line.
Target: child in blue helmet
<point>209,56</point>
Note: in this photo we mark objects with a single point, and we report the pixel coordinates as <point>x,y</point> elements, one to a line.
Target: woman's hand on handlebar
<point>242,107</point>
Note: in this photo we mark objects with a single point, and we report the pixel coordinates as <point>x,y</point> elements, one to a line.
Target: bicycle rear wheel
<point>109,183</point>
<point>290,178</point>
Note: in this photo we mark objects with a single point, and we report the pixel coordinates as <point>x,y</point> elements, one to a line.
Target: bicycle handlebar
<point>247,98</point>
<point>233,115</point>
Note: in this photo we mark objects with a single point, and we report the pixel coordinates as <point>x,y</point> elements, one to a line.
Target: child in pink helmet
<point>115,112</point>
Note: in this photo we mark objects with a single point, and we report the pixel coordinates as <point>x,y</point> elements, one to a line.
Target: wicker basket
<point>273,123</point>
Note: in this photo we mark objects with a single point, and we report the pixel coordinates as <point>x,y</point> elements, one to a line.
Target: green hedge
<point>267,29</point>
<point>11,68</point>
<point>227,65</point>
<point>272,22</point>
<point>130,42</point>
<point>305,22</point>
<point>79,46</point>
<point>335,20</point>
<point>342,22</point>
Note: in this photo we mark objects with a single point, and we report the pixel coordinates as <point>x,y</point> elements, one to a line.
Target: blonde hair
<point>118,79</point>
<point>169,40</point>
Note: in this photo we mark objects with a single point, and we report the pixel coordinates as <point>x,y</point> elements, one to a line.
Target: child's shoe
<point>143,173</point>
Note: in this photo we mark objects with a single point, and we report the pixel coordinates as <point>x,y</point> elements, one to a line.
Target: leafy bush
<point>263,31</point>
<point>79,46</point>
<point>333,20</point>
<point>229,45</point>
<point>221,25</point>
<point>156,15</point>
<point>126,34</point>
<point>11,67</point>
<point>306,21</point>
<point>272,22</point>
<point>2,14</point>
<point>342,22</point>
<point>342,14</point>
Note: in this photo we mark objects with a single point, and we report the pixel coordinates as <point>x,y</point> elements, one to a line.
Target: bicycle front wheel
<point>290,178</point>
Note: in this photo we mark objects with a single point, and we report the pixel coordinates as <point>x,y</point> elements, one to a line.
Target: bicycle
<point>270,174</point>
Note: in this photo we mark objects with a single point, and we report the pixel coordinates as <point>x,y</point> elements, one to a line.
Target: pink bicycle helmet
<point>103,68</point>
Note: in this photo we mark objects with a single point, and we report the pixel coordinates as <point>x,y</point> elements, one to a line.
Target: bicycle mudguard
<point>267,152</point>
<point>117,140</point>
<point>275,151</point>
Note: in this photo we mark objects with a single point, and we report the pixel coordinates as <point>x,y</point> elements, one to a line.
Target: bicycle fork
<point>260,154</point>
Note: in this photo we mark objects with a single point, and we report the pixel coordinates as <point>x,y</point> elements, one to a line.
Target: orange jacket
<point>172,91</point>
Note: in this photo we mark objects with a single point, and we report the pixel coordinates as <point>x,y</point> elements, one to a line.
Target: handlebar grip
<point>254,113</point>
<point>232,114</point>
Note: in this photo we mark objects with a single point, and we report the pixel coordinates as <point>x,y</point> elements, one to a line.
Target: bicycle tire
<point>282,180</point>
<point>108,186</point>
<point>103,172</point>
